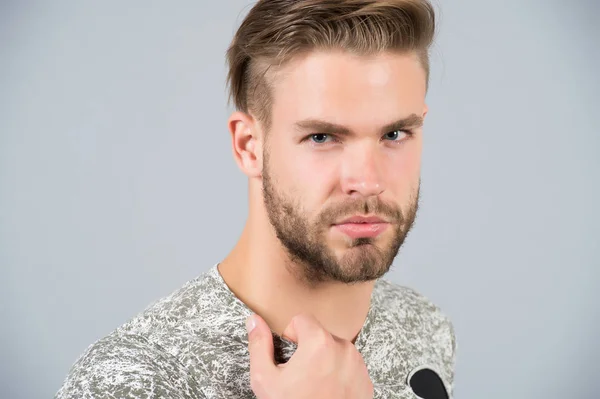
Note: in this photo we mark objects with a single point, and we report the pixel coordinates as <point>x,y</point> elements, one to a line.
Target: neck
<point>259,272</point>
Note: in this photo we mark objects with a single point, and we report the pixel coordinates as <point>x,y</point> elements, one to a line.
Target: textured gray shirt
<point>193,344</point>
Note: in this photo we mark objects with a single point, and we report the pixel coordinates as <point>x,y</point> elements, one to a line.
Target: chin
<point>360,249</point>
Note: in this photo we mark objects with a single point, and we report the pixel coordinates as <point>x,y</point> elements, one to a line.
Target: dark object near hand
<point>428,385</point>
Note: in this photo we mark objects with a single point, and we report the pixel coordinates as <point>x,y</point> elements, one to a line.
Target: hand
<point>323,366</point>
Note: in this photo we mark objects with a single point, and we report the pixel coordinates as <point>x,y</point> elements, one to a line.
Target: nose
<point>362,171</point>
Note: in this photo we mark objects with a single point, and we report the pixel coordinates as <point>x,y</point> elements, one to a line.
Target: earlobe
<point>244,144</point>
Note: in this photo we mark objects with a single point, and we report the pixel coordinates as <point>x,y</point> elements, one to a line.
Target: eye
<point>396,135</point>
<point>320,138</point>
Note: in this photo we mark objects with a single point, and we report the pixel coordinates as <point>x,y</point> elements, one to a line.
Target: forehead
<point>349,89</point>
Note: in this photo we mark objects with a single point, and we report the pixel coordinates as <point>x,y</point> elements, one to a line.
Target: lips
<point>363,219</point>
<point>362,226</point>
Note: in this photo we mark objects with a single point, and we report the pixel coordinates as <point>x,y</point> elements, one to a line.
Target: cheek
<point>312,179</point>
<point>404,170</point>
<point>410,165</point>
<point>311,176</point>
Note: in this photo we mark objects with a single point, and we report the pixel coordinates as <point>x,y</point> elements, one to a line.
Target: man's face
<point>345,141</point>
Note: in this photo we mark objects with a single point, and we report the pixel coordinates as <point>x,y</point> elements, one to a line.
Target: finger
<point>305,327</point>
<point>260,346</point>
<point>290,332</point>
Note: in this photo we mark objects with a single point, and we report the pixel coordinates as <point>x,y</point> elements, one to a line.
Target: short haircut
<point>276,31</point>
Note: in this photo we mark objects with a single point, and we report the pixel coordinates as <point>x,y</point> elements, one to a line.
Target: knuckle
<point>257,380</point>
<point>323,340</point>
<point>348,349</point>
<point>352,356</point>
<point>303,318</point>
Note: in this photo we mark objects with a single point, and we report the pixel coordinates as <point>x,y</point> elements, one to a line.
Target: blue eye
<point>320,138</point>
<point>393,136</point>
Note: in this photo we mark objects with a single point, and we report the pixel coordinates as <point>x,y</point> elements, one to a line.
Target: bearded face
<point>341,161</point>
<point>322,254</point>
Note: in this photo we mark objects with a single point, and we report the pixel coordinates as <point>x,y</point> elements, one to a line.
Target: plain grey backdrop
<point>117,182</point>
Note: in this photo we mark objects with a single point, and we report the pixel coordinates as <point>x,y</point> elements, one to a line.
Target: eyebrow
<point>324,127</point>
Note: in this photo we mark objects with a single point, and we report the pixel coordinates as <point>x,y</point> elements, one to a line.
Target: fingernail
<point>250,324</point>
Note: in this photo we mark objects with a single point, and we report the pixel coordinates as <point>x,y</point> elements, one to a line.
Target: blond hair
<point>275,31</point>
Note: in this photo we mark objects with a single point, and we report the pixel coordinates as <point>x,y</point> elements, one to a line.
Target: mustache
<point>372,206</point>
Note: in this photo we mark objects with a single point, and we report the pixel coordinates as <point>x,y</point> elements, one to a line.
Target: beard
<point>305,240</point>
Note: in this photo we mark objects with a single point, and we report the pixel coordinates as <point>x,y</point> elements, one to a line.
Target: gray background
<point>117,182</point>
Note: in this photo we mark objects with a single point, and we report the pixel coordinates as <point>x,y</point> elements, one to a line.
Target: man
<point>330,99</point>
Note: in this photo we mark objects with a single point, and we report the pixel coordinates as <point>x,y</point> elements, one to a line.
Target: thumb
<point>260,346</point>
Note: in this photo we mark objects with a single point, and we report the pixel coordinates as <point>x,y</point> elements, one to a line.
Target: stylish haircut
<point>275,31</point>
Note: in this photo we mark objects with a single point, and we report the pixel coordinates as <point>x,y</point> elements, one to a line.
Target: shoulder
<point>193,300</point>
<point>414,313</point>
<point>127,365</point>
<point>137,356</point>
<point>407,303</point>
<point>420,331</point>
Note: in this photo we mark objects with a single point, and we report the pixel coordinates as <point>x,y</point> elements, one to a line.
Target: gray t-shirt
<point>193,344</point>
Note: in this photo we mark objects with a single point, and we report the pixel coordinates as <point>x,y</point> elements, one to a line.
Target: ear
<point>246,143</point>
